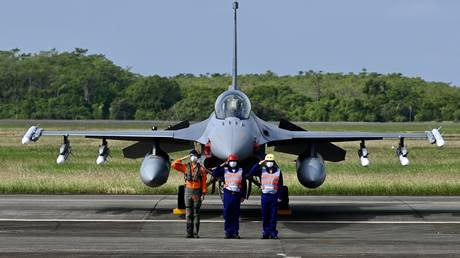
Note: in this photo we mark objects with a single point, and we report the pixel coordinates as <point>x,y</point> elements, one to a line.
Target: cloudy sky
<point>167,37</point>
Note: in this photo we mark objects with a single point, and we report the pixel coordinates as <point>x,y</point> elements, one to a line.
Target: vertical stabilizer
<point>234,85</point>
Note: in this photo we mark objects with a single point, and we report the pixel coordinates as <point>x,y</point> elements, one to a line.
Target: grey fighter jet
<point>234,129</point>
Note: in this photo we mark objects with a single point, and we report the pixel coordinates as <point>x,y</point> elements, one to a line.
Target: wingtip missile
<point>437,135</point>
<point>32,135</point>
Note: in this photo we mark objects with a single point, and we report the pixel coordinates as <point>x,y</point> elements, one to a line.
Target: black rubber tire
<point>284,204</point>
<point>181,197</point>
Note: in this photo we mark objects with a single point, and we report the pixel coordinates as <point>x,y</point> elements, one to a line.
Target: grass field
<point>32,168</point>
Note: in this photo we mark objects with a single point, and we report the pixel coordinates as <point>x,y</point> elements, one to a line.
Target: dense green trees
<point>76,85</point>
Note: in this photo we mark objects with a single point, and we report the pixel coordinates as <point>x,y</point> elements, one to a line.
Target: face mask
<point>232,164</point>
<point>269,164</point>
<point>193,158</point>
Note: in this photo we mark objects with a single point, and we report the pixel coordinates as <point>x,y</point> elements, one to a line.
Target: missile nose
<point>404,160</point>
<point>60,160</point>
<point>100,160</point>
<point>25,140</point>
<point>364,161</point>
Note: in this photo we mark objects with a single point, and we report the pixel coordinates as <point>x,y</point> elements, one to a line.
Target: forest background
<point>76,85</point>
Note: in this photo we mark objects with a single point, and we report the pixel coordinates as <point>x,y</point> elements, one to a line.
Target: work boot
<point>275,237</point>
<point>264,237</point>
<point>197,236</point>
<point>189,236</point>
<point>237,236</point>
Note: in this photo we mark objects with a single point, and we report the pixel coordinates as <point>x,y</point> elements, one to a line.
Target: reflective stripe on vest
<point>269,182</point>
<point>233,180</point>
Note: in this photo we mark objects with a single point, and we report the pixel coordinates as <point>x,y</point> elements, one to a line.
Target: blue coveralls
<point>232,202</point>
<point>269,204</point>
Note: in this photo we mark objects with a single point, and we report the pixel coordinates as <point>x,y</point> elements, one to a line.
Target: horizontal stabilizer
<point>286,125</point>
<point>181,125</point>
<point>138,150</point>
<point>327,150</point>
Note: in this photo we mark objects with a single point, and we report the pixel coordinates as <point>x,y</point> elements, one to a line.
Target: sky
<point>418,38</point>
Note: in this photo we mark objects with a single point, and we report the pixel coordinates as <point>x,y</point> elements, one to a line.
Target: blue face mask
<point>232,164</point>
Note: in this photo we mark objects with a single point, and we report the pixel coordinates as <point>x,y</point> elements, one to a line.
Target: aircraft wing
<point>175,138</point>
<point>292,139</point>
<point>287,131</point>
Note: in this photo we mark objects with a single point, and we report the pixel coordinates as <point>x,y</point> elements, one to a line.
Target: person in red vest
<point>271,181</point>
<point>234,194</point>
<point>195,190</point>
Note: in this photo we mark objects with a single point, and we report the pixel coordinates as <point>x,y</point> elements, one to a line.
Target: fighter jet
<point>232,128</point>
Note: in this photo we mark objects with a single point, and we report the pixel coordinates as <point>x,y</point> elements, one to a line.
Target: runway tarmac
<point>143,226</point>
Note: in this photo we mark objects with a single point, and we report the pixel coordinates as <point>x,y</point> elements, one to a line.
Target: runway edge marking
<point>221,221</point>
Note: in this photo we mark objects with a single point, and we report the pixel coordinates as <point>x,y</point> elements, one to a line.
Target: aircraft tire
<point>181,197</point>
<point>284,204</point>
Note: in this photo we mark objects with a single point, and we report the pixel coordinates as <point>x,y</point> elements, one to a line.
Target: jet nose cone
<point>232,136</point>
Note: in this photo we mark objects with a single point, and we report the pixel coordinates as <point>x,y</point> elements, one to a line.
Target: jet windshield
<point>233,104</point>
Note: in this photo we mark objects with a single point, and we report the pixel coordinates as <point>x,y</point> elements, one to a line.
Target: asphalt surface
<point>143,226</point>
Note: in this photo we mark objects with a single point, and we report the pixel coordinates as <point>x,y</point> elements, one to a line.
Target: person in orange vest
<point>195,190</point>
<point>234,194</point>
<point>271,181</point>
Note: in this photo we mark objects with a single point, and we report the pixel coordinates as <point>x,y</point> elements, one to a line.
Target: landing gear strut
<point>283,206</point>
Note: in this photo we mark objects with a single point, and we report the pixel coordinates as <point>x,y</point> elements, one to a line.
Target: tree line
<point>78,85</point>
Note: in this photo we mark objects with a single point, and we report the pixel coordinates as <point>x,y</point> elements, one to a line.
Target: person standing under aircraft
<point>272,185</point>
<point>195,190</point>
<point>234,194</point>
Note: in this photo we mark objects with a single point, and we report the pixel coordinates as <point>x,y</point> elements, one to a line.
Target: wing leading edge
<point>182,131</point>
<point>114,135</point>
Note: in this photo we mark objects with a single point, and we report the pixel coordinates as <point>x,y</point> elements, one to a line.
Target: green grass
<point>32,168</point>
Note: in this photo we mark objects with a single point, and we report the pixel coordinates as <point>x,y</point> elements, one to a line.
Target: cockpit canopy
<point>233,103</point>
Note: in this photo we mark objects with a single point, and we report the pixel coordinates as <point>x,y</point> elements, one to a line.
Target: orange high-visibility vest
<point>233,180</point>
<point>193,176</point>
<point>269,182</point>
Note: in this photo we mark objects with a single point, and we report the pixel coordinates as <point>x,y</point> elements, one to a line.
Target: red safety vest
<point>233,180</point>
<point>270,181</point>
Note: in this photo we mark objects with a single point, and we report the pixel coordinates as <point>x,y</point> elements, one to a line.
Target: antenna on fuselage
<point>235,48</point>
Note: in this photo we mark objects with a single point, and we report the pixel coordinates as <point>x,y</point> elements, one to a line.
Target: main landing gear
<point>180,210</point>
<point>283,206</point>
